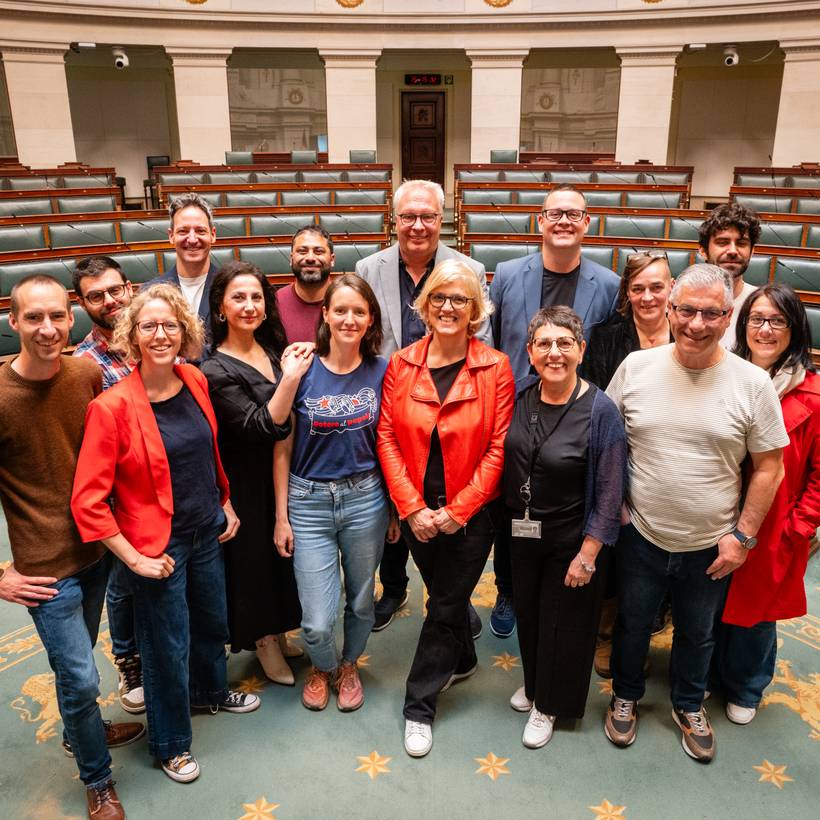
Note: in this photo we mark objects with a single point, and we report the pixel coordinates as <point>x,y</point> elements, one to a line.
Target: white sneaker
<point>418,738</point>
<point>740,714</point>
<point>183,767</point>
<point>538,731</point>
<point>519,701</point>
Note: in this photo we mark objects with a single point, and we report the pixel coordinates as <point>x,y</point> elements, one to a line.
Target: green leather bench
<point>67,235</point>
<point>765,204</point>
<point>13,272</point>
<point>24,207</point>
<point>322,176</point>
<point>645,227</point>
<point>24,238</point>
<point>367,176</point>
<point>279,225</point>
<point>808,205</point>
<point>239,158</point>
<point>801,274</point>
<point>276,176</point>
<point>83,181</point>
<point>620,178</point>
<point>525,176</point>
<point>813,313</point>
<point>490,255</point>
<point>144,230</point>
<point>780,233</point>
<point>268,258</point>
<point>498,223</point>
<point>761,180</point>
<point>479,176</point>
<point>758,271</point>
<point>229,178</point>
<point>485,197</point>
<point>138,267</point>
<point>352,223</point>
<point>182,179</point>
<point>85,204</point>
<point>653,199</point>
<point>601,254</point>
<point>348,255</point>
<point>363,197</point>
<point>229,225</point>
<point>305,197</point>
<point>603,199</point>
<point>684,229</point>
<point>257,199</point>
<point>569,177</point>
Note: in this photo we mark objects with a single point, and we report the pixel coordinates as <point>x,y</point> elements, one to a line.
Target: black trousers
<point>393,568</point>
<point>501,558</point>
<point>557,625</point>
<point>450,566</point>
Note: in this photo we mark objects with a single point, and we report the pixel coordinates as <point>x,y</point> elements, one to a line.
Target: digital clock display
<point>422,79</point>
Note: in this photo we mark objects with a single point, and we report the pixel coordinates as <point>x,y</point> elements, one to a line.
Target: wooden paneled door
<point>422,135</point>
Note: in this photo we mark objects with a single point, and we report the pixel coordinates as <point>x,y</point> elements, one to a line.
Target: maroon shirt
<point>299,318</point>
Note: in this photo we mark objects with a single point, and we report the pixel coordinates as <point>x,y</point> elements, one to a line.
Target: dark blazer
<point>516,294</point>
<point>171,277</point>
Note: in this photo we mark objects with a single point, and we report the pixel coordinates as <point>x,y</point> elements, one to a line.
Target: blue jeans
<point>67,626</point>
<point>119,602</point>
<point>182,629</point>
<point>746,657</point>
<point>645,573</point>
<point>329,519</point>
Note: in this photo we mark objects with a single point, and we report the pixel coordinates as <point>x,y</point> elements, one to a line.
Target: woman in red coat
<point>150,447</point>
<point>446,405</point>
<point>773,333</point>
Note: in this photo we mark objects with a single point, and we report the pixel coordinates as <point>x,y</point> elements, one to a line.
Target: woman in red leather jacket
<point>446,405</point>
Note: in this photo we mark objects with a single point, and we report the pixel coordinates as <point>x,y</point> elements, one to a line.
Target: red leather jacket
<point>471,423</point>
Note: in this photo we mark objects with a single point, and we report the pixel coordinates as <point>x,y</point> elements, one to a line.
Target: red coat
<point>123,456</point>
<point>769,585</point>
<point>472,424</point>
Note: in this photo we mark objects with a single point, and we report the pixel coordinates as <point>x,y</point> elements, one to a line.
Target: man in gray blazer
<point>557,275</point>
<point>397,276</point>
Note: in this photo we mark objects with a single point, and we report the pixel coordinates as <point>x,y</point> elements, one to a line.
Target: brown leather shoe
<point>103,803</point>
<point>316,693</point>
<point>603,653</point>
<point>116,734</point>
<point>348,685</point>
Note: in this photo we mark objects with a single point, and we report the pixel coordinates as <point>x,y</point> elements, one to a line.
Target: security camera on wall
<point>121,60</point>
<point>730,56</point>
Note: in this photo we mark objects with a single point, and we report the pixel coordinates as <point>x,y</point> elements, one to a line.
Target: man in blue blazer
<point>558,275</point>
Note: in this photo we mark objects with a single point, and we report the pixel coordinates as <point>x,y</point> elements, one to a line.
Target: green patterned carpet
<point>285,762</point>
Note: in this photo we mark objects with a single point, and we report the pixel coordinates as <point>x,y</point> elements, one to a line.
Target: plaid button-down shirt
<point>114,367</point>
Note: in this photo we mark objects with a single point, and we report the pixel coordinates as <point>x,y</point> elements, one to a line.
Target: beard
<point>311,277</point>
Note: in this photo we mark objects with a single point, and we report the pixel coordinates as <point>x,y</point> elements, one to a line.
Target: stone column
<point>495,118</point>
<point>203,112</point>
<point>645,103</point>
<point>798,119</point>
<point>38,96</point>
<point>350,85</point>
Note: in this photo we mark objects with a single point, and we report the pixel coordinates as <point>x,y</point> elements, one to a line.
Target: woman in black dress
<point>252,391</point>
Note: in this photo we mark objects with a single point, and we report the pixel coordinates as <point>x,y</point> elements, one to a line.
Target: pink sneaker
<point>349,687</point>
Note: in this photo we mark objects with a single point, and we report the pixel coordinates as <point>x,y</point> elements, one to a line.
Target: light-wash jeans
<point>346,518</point>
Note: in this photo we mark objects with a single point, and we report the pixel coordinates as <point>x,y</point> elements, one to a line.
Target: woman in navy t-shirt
<point>330,500</point>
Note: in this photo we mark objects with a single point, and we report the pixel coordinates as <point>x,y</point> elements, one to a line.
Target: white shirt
<point>728,340</point>
<point>192,288</point>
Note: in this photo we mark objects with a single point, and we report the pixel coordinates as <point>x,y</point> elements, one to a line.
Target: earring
<point>264,316</point>
<point>221,317</point>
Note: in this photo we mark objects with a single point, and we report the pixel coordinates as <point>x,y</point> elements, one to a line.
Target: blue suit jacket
<point>516,293</point>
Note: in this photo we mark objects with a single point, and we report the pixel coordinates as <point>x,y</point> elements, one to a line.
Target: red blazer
<point>472,424</point>
<point>122,455</point>
<point>769,586</point>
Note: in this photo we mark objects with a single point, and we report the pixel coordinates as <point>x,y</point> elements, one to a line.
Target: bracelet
<point>590,568</point>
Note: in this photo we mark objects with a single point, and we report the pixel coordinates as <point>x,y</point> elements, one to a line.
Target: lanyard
<point>535,414</point>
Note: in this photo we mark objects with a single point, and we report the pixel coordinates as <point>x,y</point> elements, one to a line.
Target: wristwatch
<point>748,542</point>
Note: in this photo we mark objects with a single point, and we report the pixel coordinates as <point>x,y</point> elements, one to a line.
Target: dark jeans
<point>393,568</point>
<point>645,573</point>
<point>745,661</point>
<point>502,566</point>
<point>119,602</point>
<point>450,566</point>
<point>182,629</point>
<point>68,626</point>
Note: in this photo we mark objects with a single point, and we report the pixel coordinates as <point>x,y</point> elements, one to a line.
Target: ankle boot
<point>289,650</point>
<point>273,663</point>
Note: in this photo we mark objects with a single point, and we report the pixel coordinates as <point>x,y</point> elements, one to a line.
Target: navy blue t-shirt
<point>336,416</point>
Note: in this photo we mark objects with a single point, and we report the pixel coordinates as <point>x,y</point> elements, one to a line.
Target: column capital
<point>801,50</point>
<point>350,57</point>
<point>32,52</point>
<point>497,57</point>
<point>198,56</point>
<point>665,55</point>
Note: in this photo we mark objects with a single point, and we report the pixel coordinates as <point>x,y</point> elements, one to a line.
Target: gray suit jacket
<point>381,271</point>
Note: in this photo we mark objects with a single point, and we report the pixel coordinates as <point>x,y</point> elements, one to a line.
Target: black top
<point>412,327</point>
<point>189,447</point>
<point>559,288</point>
<point>558,478</point>
<point>262,598</point>
<point>609,344</point>
<point>443,378</point>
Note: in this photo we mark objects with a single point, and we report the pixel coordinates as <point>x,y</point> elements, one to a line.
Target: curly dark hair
<point>371,343</point>
<point>784,298</point>
<point>732,215</point>
<point>270,334</point>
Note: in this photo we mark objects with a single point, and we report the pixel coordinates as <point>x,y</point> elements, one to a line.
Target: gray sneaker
<point>697,738</point>
<point>621,721</point>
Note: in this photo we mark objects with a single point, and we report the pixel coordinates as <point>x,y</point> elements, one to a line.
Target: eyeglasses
<point>409,220</point>
<point>709,315</point>
<point>775,322</point>
<point>97,297</point>
<point>456,300</point>
<point>150,328</point>
<point>653,254</point>
<point>557,214</point>
<point>563,343</point>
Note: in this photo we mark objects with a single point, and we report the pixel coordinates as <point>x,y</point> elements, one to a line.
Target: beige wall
<point>724,117</point>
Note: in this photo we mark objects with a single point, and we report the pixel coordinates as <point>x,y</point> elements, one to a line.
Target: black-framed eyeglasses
<point>654,253</point>
<point>427,220</point>
<point>563,343</point>
<point>149,327</point>
<point>775,322</point>
<point>709,315</point>
<point>97,297</point>
<point>456,300</point>
<point>557,214</point>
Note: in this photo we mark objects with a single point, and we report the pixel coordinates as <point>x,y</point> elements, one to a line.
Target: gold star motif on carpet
<point>604,687</point>
<point>506,661</point>
<point>250,685</point>
<point>606,811</point>
<point>260,810</point>
<point>364,660</point>
<point>373,765</point>
<point>492,766</point>
<point>769,773</point>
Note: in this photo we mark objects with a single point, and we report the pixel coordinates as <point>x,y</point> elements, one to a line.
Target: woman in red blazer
<point>446,405</point>
<point>150,486</point>
<point>773,333</point>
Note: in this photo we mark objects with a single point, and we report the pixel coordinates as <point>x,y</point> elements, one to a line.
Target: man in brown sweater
<point>43,397</point>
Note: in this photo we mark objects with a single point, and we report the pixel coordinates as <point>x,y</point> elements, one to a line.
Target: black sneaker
<point>234,702</point>
<point>502,618</point>
<point>697,738</point>
<point>475,622</point>
<point>386,608</point>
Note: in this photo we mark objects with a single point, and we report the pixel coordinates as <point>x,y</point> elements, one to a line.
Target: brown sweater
<point>41,429</point>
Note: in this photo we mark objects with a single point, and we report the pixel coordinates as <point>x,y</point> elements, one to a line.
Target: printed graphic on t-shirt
<point>336,414</point>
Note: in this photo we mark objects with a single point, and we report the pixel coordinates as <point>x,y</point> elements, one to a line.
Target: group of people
<point>221,462</point>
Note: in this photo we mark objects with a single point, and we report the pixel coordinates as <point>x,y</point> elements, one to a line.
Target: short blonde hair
<point>124,339</point>
<point>454,270</point>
